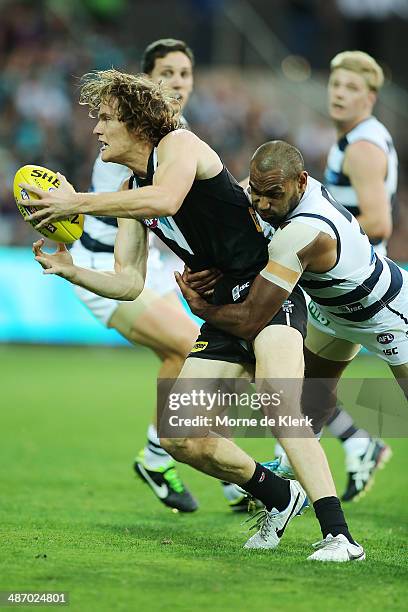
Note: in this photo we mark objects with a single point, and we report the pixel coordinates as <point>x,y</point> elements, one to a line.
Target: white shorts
<point>385,334</point>
<point>159,277</point>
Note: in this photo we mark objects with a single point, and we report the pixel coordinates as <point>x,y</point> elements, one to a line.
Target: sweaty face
<point>116,140</point>
<point>273,195</point>
<point>176,71</point>
<point>350,99</point>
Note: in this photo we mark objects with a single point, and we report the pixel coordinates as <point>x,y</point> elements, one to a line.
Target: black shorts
<point>213,343</point>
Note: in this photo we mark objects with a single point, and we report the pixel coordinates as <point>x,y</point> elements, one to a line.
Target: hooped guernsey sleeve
<point>284,267</point>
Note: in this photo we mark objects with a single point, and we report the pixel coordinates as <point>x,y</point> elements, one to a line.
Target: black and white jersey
<point>338,183</point>
<point>215,226</point>
<point>100,232</point>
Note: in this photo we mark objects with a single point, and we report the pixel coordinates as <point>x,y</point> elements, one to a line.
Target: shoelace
<point>261,521</point>
<point>174,480</point>
<point>332,544</point>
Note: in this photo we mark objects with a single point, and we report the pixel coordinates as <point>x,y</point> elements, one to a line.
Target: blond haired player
<point>361,174</point>
<point>362,167</point>
<point>156,319</point>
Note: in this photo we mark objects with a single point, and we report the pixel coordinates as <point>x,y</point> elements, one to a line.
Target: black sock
<point>270,489</point>
<point>331,518</point>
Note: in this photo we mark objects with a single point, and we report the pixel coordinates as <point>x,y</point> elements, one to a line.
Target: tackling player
<point>183,193</point>
<point>357,295</point>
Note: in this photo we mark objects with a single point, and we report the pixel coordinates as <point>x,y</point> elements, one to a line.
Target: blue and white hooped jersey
<point>361,282</point>
<point>100,232</point>
<point>338,183</point>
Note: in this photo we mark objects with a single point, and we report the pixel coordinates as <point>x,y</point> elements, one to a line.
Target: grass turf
<point>75,519</point>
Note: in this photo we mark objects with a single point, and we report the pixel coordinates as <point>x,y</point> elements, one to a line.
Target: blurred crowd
<point>42,58</point>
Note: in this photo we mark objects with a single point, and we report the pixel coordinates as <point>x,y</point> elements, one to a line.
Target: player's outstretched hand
<point>193,298</point>
<point>59,263</point>
<point>54,205</point>
<point>203,282</point>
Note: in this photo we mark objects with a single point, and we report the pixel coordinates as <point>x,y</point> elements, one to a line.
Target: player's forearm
<point>236,319</point>
<point>118,286</point>
<point>143,203</point>
<point>246,319</point>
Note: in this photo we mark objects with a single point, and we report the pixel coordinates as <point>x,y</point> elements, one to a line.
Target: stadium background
<point>261,71</point>
<point>72,418</point>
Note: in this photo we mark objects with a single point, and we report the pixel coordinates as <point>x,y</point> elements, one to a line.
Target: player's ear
<point>302,181</point>
<point>372,96</point>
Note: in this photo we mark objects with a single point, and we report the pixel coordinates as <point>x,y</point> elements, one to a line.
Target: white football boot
<point>337,549</point>
<point>272,523</point>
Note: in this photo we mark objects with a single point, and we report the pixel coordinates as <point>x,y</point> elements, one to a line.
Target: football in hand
<point>67,230</point>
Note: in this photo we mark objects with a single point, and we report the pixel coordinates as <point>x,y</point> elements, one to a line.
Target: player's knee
<point>181,347</point>
<point>174,358</point>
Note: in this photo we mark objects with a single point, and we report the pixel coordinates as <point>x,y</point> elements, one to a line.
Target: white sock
<point>341,423</point>
<point>155,456</point>
<point>358,443</point>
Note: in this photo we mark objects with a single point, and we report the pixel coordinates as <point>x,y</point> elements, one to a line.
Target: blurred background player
<point>361,174</point>
<point>156,319</point>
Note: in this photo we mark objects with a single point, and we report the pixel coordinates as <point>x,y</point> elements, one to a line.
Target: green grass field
<point>75,519</point>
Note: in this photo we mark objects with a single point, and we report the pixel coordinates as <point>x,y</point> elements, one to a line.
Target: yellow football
<point>68,230</point>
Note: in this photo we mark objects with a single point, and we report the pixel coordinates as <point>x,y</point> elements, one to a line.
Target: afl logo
<point>151,223</point>
<point>385,338</point>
